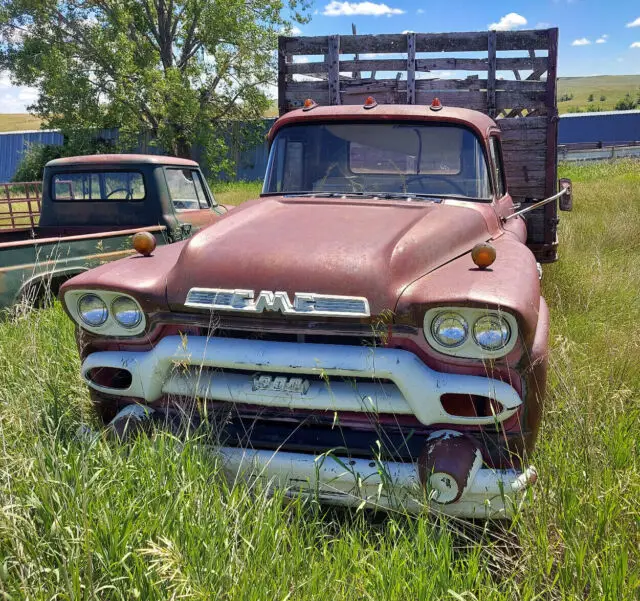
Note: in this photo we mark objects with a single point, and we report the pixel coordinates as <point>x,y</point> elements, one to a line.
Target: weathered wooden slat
<point>476,41</point>
<point>479,64</point>
<point>425,42</point>
<point>537,65</point>
<point>282,75</point>
<point>524,123</point>
<point>333,60</point>
<point>411,68</point>
<point>491,75</point>
<point>309,68</point>
<point>451,84</point>
<point>550,212</point>
<point>387,92</point>
<point>308,86</point>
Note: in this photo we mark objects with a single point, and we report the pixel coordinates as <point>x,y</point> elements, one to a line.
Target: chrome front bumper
<point>385,485</point>
<point>389,380</point>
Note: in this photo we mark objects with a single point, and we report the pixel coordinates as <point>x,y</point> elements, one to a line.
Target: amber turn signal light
<point>483,255</point>
<point>309,104</point>
<point>370,102</point>
<point>144,243</point>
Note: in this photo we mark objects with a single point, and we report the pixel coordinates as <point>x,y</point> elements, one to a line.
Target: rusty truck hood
<point>346,247</point>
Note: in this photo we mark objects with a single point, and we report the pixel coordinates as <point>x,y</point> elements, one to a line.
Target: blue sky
<point>596,37</point>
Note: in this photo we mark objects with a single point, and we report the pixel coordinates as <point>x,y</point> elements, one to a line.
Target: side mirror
<point>565,203</point>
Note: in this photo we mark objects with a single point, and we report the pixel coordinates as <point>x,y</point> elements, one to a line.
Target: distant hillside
<point>610,87</point>
<point>18,122</point>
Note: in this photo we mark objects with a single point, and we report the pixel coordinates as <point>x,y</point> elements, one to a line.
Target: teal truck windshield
<point>377,158</point>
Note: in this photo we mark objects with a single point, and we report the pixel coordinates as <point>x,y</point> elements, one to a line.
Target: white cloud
<point>509,22</point>
<point>635,45</point>
<point>15,99</point>
<point>408,31</point>
<point>295,31</point>
<point>349,9</point>
<point>581,42</point>
<point>543,25</point>
<point>635,23</point>
<point>420,11</point>
<point>602,39</point>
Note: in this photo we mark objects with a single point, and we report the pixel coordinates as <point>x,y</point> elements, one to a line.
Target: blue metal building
<point>14,144</point>
<point>607,128</point>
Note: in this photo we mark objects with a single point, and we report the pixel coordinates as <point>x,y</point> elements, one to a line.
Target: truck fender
<point>43,287</point>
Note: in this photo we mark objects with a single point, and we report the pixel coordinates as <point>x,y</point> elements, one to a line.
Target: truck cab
<point>89,209</point>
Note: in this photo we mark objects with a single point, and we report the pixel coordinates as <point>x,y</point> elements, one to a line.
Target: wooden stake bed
<point>510,75</point>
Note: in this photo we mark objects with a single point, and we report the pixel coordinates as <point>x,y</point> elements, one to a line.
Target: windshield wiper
<point>434,196</point>
<point>383,195</point>
<point>317,194</point>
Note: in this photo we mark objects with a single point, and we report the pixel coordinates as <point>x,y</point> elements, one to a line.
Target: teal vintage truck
<point>89,208</point>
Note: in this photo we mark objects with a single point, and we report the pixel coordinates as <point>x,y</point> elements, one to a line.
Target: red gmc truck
<point>370,330</point>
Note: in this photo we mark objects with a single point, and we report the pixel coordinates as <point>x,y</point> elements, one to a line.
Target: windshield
<point>405,158</point>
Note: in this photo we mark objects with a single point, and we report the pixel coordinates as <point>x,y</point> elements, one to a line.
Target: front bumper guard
<point>408,386</point>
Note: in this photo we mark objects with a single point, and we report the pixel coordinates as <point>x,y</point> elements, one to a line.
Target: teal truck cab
<point>90,208</point>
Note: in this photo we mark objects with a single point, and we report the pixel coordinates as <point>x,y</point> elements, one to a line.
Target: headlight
<point>106,312</point>
<point>450,329</point>
<point>126,312</point>
<point>471,332</point>
<point>491,332</point>
<point>92,310</point>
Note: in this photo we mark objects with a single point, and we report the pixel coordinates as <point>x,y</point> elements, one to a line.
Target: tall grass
<point>234,193</point>
<point>90,519</point>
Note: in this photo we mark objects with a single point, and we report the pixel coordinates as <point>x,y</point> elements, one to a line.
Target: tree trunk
<point>183,148</point>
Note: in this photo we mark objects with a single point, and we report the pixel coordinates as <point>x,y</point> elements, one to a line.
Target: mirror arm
<point>536,205</point>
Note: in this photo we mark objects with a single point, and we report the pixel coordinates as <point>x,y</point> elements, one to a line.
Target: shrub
<point>626,104</point>
<point>37,156</point>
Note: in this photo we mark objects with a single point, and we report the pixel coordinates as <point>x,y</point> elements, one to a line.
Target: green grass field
<point>18,122</point>
<point>154,519</point>
<point>611,87</point>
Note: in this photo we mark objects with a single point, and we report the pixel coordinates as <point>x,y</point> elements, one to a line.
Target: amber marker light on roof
<point>436,105</point>
<point>309,104</point>
<point>483,255</point>
<point>370,102</point>
<point>144,243</point>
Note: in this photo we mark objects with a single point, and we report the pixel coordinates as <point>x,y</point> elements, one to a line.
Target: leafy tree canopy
<point>174,68</point>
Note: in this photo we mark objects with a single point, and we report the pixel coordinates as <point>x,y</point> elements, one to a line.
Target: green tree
<point>177,69</point>
<point>590,98</point>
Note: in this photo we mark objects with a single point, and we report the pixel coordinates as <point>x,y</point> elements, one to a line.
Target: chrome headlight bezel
<point>110,326</point>
<point>471,348</point>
